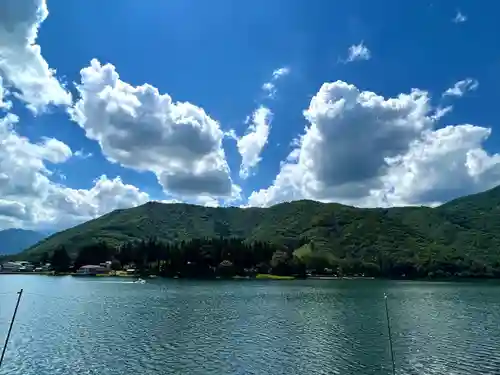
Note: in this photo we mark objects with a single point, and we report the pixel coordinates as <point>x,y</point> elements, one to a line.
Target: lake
<point>105,326</point>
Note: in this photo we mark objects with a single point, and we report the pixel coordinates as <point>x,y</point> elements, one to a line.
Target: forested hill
<point>465,231</point>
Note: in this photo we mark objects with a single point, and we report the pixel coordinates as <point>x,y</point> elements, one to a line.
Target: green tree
<point>226,269</point>
<point>94,253</point>
<point>60,260</point>
<point>44,258</point>
<point>280,263</point>
<point>116,265</point>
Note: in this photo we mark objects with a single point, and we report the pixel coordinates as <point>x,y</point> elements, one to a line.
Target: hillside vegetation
<point>461,236</point>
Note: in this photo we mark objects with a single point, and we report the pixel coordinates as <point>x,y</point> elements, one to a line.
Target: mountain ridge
<point>464,230</point>
<point>15,240</point>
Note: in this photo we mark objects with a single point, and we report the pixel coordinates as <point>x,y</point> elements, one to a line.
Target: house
<point>131,271</point>
<point>46,267</point>
<point>11,267</point>
<point>21,266</point>
<point>26,266</point>
<point>92,270</point>
<point>43,268</point>
<point>106,264</point>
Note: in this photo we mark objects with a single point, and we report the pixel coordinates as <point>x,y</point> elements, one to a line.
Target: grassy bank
<point>265,276</point>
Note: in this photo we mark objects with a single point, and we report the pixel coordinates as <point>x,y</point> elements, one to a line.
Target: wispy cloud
<point>459,17</point>
<point>270,87</point>
<point>82,155</point>
<point>358,52</point>
<point>251,144</point>
<point>461,87</point>
<point>441,112</point>
<point>280,72</point>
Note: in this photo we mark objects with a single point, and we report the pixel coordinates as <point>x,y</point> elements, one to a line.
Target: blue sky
<point>340,124</point>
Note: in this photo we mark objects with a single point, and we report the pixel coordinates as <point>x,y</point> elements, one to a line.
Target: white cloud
<point>207,201</point>
<point>12,209</point>
<point>4,104</point>
<point>352,132</point>
<point>21,62</point>
<point>168,201</point>
<point>201,200</point>
<point>459,17</point>
<point>65,205</point>
<point>142,129</point>
<point>362,149</point>
<point>82,154</point>
<point>358,52</point>
<point>441,112</point>
<point>251,144</point>
<point>461,87</point>
<point>448,162</point>
<point>270,87</point>
<point>30,199</point>
<point>278,73</point>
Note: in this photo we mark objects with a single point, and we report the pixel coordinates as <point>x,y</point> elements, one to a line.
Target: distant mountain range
<point>13,241</point>
<point>461,234</point>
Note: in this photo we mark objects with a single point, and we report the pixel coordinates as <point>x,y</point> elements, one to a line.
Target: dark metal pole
<point>20,293</point>
<point>390,336</point>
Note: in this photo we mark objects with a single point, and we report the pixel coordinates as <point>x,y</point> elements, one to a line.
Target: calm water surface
<point>94,326</point>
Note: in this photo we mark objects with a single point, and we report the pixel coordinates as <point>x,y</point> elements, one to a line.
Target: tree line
<point>228,257</point>
<point>195,258</point>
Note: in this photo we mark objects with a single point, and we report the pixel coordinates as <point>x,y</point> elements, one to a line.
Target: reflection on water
<point>93,326</point>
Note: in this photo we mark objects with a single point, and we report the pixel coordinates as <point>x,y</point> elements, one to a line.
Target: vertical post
<point>20,293</point>
<point>390,336</point>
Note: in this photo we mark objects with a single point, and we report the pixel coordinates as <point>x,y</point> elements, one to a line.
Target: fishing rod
<point>20,293</point>
<point>390,336</point>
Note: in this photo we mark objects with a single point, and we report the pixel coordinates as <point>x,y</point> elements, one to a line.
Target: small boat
<point>140,281</point>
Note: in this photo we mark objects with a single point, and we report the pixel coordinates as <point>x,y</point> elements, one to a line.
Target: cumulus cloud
<point>207,201</point>
<point>459,17</point>
<point>21,62</point>
<point>352,132</point>
<point>251,144</point>
<point>358,52</point>
<point>30,199</point>
<point>4,103</point>
<point>362,149</point>
<point>270,86</point>
<point>201,200</point>
<point>12,209</point>
<point>142,129</point>
<point>76,205</point>
<point>461,87</point>
<point>448,162</point>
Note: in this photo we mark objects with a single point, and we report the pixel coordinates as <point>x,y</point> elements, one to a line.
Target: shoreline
<point>254,277</point>
<point>259,277</point>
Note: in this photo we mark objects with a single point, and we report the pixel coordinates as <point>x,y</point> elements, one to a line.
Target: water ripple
<point>68,325</point>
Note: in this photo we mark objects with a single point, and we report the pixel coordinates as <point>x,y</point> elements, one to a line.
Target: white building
<point>92,270</point>
<point>21,266</point>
